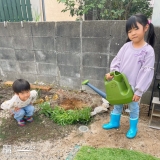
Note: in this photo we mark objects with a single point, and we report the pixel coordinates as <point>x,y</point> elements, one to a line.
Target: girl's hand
<point>16,109</point>
<point>136,98</point>
<point>108,76</point>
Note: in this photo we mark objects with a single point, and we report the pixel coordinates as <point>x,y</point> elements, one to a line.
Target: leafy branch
<point>107,9</point>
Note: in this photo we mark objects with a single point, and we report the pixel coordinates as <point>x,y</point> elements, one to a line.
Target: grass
<point>90,153</point>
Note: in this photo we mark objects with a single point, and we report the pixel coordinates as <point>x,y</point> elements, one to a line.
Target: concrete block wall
<point>63,53</point>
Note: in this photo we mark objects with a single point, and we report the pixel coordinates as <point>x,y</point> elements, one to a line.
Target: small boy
<point>21,103</point>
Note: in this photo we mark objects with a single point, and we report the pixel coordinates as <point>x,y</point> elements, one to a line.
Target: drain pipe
<point>43,11</point>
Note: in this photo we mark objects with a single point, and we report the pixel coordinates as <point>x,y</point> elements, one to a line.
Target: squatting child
<point>21,104</point>
<point>136,60</point>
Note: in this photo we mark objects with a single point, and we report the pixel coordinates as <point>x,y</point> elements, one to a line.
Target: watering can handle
<point>124,77</point>
<point>111,74</point>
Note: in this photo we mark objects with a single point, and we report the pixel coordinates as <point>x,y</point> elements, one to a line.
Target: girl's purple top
<point>136,64</point>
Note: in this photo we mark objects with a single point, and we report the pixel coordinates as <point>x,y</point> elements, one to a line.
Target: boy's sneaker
<point>21,123</point>
<point>28,119</point>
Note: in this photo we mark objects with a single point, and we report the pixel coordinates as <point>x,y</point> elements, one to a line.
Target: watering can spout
<point>102,94</point>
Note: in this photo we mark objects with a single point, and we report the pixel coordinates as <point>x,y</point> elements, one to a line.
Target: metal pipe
<point>43,11</point>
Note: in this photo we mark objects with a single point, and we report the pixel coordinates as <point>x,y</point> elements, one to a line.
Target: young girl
<point>21,103</point>
<point>136,60</point>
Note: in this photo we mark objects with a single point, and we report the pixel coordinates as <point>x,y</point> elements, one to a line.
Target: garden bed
<point>52,141</point>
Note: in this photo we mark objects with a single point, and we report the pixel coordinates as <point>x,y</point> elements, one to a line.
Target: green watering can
<point>118,90</point>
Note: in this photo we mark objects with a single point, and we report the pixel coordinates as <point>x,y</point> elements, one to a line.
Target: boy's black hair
<point>142,19</point>
<point>20,85</point>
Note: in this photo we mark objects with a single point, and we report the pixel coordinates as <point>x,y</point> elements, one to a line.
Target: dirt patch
<point>43,128</point>
<point>72,104</point>
<point>51,141</point>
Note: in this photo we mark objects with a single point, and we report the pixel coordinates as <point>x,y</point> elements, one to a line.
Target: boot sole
<point>110,128</point>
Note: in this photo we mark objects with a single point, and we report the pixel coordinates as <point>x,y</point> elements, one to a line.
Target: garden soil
<point>45,140</point>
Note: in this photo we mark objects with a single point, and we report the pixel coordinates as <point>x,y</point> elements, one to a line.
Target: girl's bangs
<point>131,23</point>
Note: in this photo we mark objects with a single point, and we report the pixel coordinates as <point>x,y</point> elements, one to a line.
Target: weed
<point>1,96</point>
<point>36,15</point>
<point>66,117</point>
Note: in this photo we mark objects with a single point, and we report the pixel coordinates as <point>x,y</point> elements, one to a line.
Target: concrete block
<point>25,55</point>
<point>115,46</point>
<point>27,67</point>
<point>94,73</point>
<point>43,29</point>
<point>69,71</point>
<point>10,66</point>
<point>68,59</point>
<point>47,69</point>
<point>98,45</point>
<point>70,82</point>
<point>4,31</point>
<point>43,43</point>
<point>117,28</point>
<point>110,59</point>
<point>146,98</point>
<point>157,50</point>
<point>68,29</point>
<point>157,42</point>
<point>157,32</point>
<point>11,76</point>
<point>1,73</point>
<point>95,59</point>
<point>15,29</point>
<point>46,56</point>
<point>31,78</point>
<point>151,86</point>
<point>7,53</point>
<point>96,29</point>
<point>156,58</point>
<point>22,43</point>
<point>6,42</point>
<point>68,44</point>
<point>47,79</point>
<point>124,35</point>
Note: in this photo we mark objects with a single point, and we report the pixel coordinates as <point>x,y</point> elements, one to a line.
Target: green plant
<point>46,109</point>
<point>1,96</point>
<point>36,15</point>
<point>66,117</point>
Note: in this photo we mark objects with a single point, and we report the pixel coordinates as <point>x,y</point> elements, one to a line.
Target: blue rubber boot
<point>114,122</point>
<point>133,128</point>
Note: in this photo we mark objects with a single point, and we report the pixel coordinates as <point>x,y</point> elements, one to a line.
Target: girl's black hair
<point>142,19</point>
<point>20,85</point>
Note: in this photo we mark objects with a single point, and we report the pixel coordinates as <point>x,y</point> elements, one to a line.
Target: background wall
<point>53,11</point>
<point>65,53</point>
